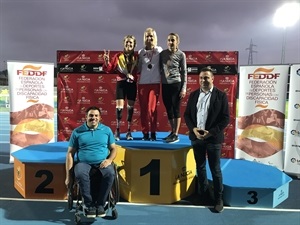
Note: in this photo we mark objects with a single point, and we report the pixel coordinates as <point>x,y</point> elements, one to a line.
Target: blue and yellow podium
<point>252,184</point>
<point>39,171</point>
<point>155,171</point>
<point>149,172</point>
<point>152,172</point>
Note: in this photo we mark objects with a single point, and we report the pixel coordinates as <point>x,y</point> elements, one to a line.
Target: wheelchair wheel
<point>70,200</point>
<point>77,219</point>
<point>114,213</point>
<point>116,188</point>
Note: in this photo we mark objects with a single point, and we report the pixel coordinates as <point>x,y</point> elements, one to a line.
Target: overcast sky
<point>33,30</point>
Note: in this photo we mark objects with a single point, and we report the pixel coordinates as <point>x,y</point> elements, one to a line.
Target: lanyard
<point>148,55</point>
<point>132,65</point>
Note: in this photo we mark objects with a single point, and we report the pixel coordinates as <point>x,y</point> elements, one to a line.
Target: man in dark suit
<point>206,116</point>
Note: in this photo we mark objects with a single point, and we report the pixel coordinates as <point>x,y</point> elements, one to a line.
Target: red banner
<point>81,83</point>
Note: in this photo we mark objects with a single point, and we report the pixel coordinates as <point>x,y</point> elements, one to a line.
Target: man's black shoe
<point>90,212</point>
<point>219,206</point>
<point>100,211</point>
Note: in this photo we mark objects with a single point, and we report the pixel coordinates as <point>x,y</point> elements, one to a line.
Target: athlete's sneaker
<point>129,136</point>
<point>117,135</point>
<point>145,137</point>
<point>153,136</point>
<point>173,139</point>
<point>89,212</point>
<point>170,134</point>
<point>219,205</point>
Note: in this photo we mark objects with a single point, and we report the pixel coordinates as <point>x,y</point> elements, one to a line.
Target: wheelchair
<point>75,200</point>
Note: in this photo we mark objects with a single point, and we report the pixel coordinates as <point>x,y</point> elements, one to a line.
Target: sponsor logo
<point>214,70</point>
<point>83,79</point>
<point>19,173</point>
<point>104,112</point>
<point>66,78</point>
<point>192,69</point>
<point>100,79</point>
<point>294,160</point>
<point>98,69</point>
<point>228,59</point>
<point>67,99</point>
<point>100,57</point>
<point>297,106</point>
<point>100,100</point>
<point>227,69</point>
<point>191,58</point>
<point>83,68</point>
<point>66,57</point>
<point>295,132</point>
<point>83,100</point>
<point>100,90</point>
<point>66,120</point>
<point>208,57</point>
<point>66,110</point>
<point>191,80</point>
<point>83,89</point>
<point>83,57</point>
<point>83,110</point>
<point>67,89</point>
<point>183,175</point>
<point>67,69</point>
<point>81,120</point>
<point>226,80</point>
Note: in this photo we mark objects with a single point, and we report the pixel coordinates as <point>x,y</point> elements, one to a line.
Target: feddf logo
<point>30,70</point>
<point>263,73</point>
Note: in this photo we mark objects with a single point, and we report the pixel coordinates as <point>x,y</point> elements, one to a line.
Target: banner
<point>261,114</point>
<point>31,87</point>
<point>81,82</point>
<point>292,146</point>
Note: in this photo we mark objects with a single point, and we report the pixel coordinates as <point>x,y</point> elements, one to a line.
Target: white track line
<point>146,204</point>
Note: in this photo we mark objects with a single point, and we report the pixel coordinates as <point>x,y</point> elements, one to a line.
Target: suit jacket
<point>217,118</point>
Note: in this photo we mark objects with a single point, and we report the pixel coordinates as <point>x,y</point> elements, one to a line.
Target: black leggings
<point>171,99</point>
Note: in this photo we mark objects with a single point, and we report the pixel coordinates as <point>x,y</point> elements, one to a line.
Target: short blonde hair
<point>149,29</point>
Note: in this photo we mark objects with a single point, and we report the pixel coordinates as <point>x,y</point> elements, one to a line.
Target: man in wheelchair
<point>94,145</point>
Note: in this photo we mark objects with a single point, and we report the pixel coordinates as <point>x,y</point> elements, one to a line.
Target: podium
<point>252,184</point>
<point>155,171</point>
<point>39,171</point>
<point>152,172</point>
<point>148,171</point>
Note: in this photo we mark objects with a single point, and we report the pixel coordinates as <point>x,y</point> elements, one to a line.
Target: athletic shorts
<point>126,90</point>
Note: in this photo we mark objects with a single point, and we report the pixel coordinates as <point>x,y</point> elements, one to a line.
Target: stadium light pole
<point>286,16</point>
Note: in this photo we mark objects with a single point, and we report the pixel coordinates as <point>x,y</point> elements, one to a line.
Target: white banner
<point>31,87</point>
<point>292,146</point>
<point>261,114</point>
